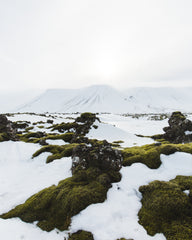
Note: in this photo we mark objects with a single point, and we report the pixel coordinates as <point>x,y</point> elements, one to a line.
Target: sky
<point>73,43</point>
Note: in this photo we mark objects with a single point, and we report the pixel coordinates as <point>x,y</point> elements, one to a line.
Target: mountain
<point>10,99</point>
<point>103,98</point>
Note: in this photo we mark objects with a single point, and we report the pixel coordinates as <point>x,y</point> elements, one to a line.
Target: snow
<point>117,216</point>
<point>103,98</point>
<point>142,125</point>
<point>22,176</point>
<point>188,132</point>
<point>111,133</point>
<point>16,229</point>
<point>55,142</point>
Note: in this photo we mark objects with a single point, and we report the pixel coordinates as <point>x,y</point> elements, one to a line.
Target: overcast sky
<point>76,43</point>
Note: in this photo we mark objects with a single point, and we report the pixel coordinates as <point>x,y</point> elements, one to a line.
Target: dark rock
<point>43,142</point>
<point>7,129</point>
<point>157,144</point>
<point>100,155</point>
<point>50,121</point>
<point>178,125</point>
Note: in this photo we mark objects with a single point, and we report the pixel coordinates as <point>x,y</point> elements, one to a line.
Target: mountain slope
<point>104,98</point>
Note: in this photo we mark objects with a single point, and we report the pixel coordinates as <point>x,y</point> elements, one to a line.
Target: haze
<point>72,43</point>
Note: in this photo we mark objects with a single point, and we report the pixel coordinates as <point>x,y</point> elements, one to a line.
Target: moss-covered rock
<point>167,209</point>
<point>7,129</point>
<point>81,235</point>
<point>101,156</point>
<point>150,154</point>
<point>57,151</point>
<point>147,154</point>
<point>53,207</point>
<point>179,129</point>
<point>80,127</point>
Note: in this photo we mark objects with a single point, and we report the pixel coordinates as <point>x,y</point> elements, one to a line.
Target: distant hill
<point>102,98</point>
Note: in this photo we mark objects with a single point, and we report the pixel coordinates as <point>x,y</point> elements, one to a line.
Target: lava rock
<point>99,155</point>
<point>7,129</point>
<point>179,130</point>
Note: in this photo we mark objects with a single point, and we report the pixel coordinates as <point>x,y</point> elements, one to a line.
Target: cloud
<point>76,43</point>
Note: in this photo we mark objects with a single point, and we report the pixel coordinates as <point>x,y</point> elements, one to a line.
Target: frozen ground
<point>21,176</point>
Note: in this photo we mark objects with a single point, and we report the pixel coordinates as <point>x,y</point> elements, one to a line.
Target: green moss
<point>81,235</point>
<point>86,116</point>
<point>28,129</point>
<point>63,127</point>
<point>31,137</point>
<point>4,137</point>
<point>117,143</point>
<point>53,207</point>
<point>41,126</point>
<point>168,149</point>
<point>56,150</point>
<point>178,114</point>
<point>150,154</point>
<point>167,209</point>
<point>67,137</point>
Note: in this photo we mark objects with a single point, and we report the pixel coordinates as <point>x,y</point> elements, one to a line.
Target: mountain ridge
<point>104,98</point>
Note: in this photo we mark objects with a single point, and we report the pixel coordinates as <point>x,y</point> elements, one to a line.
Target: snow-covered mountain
<point>102,98</point>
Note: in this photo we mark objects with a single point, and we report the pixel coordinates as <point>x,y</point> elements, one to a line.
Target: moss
<point>179,115</point>
<point>167,209</point>
<point>4,137</point>
<point>29,128</point>
<point>147,154</point>
<point>84,117</point>
<point>21,124</point>
<point>31,137</point>
<point>53,207</point>
<point>150,154</point>
<point>81,235</point>
<point>67,137</point>
<point>41,126</point>
<point>168,149</point>
<point>117,143</point>
<point>56,150</point>
<point>62,127</point>
<point>124,239</point>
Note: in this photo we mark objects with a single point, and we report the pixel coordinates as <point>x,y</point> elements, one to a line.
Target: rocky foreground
<point>166,208</point>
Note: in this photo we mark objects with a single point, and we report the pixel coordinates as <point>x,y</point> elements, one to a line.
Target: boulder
<point>7,129</point>
<point>99,155</point>
<point>179,129</point>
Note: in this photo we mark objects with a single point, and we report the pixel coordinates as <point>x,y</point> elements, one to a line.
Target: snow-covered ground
<point>21,176</point>
<point>117,216</point>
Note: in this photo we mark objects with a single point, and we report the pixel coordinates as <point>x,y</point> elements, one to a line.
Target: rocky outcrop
<point>179,130</point>
<point>101,156</point>
<point>7,129</point>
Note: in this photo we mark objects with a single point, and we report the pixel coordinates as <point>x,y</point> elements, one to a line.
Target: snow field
<point>21,177</point>
<point>117,216</point>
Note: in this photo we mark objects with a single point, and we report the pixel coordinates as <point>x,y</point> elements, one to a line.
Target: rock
<point>179,130</point>
<point>43,142</point>
<point>50,121</point>
<point>100,155</point>
<point>7,129</point>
